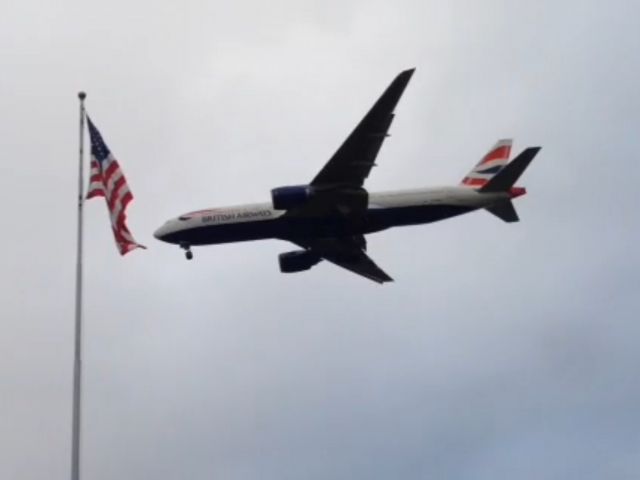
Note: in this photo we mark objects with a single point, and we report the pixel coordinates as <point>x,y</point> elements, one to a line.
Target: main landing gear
<point>187,250</point>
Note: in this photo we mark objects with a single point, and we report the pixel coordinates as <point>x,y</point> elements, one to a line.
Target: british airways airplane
<point>329,217</point>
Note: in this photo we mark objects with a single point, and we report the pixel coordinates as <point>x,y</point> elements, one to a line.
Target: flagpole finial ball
<point>82,95</point>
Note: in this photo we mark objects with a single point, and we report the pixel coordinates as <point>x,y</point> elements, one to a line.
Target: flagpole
<point>77,357</point>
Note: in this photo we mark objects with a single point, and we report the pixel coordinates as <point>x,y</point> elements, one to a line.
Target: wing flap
<point>348,253</point>
<point>360,264</point>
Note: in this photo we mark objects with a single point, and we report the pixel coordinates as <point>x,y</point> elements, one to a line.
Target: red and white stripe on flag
<point>107,180</point>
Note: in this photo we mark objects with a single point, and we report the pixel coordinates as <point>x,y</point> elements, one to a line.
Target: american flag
<point>107,180</point>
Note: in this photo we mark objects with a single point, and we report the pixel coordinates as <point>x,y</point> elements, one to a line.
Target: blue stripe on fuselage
<point>383,218</point>
<point>376,219</point>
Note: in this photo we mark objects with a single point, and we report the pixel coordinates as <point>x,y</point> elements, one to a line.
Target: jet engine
<point>297,261</point>
<point>284,198</point>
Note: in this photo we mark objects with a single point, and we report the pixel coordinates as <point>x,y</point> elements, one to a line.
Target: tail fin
<point>509,175</point>
<point>490,165</point>
<point>505,180</point>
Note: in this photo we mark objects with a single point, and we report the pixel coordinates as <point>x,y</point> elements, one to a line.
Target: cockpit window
<point>184,218</point>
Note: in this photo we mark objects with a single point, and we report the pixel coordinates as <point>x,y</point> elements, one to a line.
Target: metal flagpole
<point>77,358</point>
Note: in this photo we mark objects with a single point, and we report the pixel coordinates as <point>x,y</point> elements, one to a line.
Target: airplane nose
<point>160,232</point>
<point>169,232</point>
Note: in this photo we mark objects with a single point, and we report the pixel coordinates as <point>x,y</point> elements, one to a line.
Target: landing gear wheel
<point>187,250</point>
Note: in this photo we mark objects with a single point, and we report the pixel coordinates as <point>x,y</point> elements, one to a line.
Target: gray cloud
<point>501,350</point>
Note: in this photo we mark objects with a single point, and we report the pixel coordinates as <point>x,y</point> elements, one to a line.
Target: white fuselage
<point>385,210</point>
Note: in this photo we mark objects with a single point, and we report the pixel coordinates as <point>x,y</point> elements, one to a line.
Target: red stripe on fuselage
<point>515,192</point>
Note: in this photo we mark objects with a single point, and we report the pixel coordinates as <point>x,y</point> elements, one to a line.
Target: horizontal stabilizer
<point>505,211</point>
<point>510,174</point>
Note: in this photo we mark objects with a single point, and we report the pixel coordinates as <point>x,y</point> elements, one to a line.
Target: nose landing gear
<point>187,250</point>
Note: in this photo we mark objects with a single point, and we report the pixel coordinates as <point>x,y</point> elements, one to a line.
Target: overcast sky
<point>500,351</point>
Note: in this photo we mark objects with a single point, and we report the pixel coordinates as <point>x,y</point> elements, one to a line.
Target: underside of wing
<point>352,162</point>
<point>349,253</point>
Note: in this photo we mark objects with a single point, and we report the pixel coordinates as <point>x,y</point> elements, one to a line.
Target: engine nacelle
<point>284,198</point>
<point>297,261</point>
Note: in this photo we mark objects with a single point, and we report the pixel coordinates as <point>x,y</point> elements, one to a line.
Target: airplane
<point>329,217</point>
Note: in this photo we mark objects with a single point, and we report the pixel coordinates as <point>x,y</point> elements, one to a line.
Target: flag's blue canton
<point>98,148</point>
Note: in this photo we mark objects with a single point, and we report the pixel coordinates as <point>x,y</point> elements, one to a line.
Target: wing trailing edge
<point>351,164</point>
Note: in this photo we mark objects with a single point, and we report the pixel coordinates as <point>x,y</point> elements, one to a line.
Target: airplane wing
<point>339,186</point>
<point>352,162</point>
<point>347,252</point>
